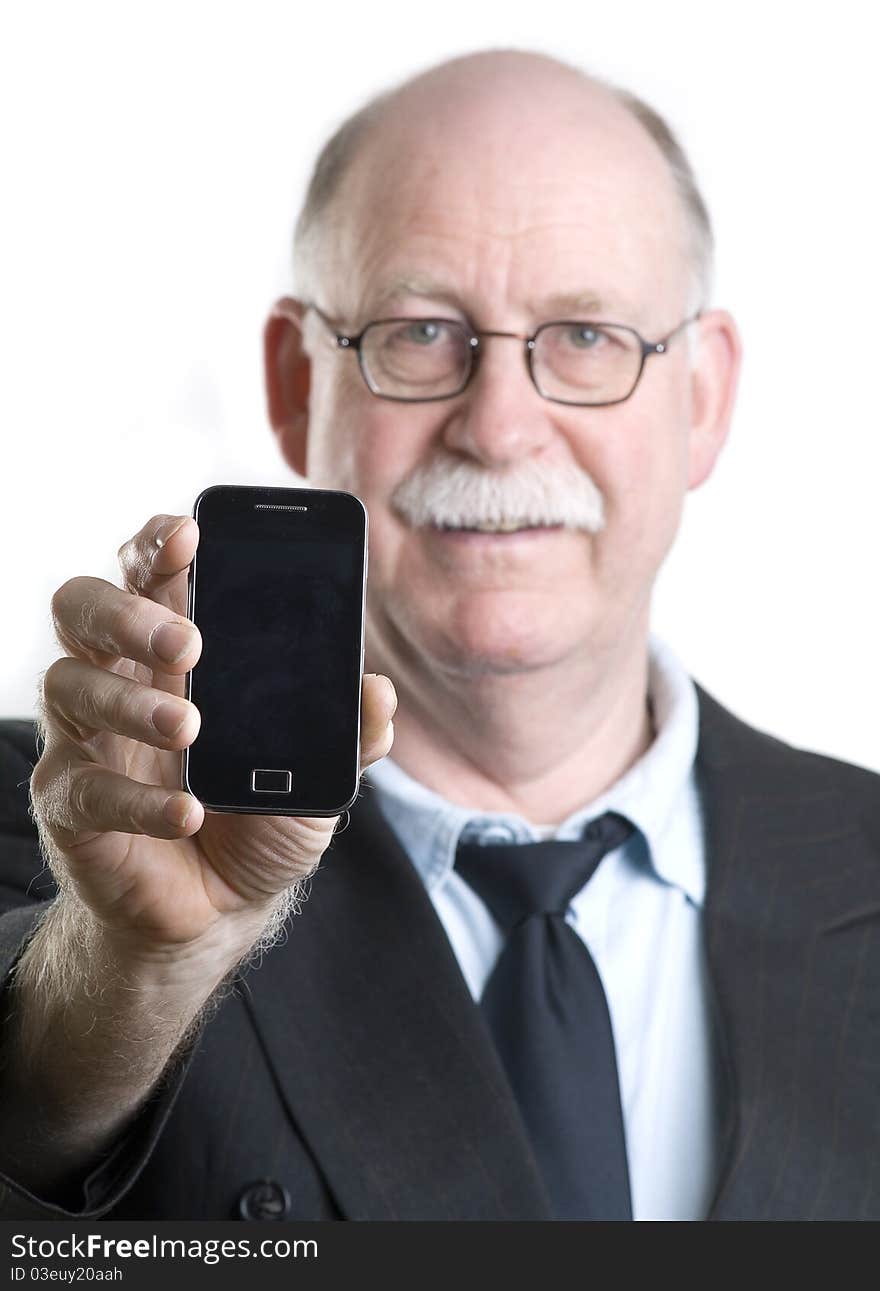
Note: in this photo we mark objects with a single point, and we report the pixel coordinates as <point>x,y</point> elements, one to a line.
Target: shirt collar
<point>650,794</point>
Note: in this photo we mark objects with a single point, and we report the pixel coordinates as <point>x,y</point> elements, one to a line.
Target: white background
<point>153,156</point>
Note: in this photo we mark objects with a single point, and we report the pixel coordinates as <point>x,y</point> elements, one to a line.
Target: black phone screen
<point>277,592</point>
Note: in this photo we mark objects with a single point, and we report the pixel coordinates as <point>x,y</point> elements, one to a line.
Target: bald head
<point>527,113</point>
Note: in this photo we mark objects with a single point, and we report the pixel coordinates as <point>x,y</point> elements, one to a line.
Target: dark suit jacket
<point>353,1069</point>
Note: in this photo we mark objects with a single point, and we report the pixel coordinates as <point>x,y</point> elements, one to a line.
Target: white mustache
<point>460,494</point>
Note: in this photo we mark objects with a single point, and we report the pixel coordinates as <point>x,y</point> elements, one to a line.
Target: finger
<point>155,561</point>
<point>86,699</point>
<point>378,706</point>
<point>96,620</point>
<point>75,801</point>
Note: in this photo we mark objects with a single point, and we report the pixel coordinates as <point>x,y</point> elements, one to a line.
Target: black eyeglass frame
<point>346,341</point>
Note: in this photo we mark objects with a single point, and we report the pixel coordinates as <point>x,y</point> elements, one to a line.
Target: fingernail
<point>168,717</point>
<point>170,641</point>
<point>177,810</point>
<point>168,529</point>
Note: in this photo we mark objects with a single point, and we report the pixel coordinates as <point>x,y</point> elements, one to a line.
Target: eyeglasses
<point>418,360</point>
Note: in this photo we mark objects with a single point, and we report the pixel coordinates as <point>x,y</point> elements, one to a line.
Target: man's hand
<point>159,874</point>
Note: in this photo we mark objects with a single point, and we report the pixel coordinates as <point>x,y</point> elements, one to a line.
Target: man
<point>502,343</point>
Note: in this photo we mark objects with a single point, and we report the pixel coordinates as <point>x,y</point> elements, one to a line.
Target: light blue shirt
<point>640,916</point>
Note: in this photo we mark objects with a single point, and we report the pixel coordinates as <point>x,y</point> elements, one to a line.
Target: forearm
<point>87,1032</point>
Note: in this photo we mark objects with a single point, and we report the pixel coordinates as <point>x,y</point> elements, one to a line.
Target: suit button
<point>264,1199</point>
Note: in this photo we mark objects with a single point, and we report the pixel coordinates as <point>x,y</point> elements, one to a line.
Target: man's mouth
<point>496,526</point>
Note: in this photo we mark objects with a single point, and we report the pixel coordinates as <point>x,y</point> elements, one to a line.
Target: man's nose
<point>499,417</point>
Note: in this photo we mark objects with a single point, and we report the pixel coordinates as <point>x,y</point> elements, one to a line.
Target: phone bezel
<point>279,495</point>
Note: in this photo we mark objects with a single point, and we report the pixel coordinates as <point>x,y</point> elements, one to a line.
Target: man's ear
<point>288,379</point>
<point>713,392</point>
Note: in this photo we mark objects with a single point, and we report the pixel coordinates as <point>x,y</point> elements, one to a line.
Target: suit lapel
<point>792,940</point>
<point>383,1059</point>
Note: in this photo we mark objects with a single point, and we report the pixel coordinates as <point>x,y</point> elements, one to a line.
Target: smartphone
<point>277,590</point>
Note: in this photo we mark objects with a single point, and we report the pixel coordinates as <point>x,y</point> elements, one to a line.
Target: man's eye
<point>584,338</point>
<point>423,332</point>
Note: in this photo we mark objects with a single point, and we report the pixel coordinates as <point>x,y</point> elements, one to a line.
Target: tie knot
<point>518,880</point>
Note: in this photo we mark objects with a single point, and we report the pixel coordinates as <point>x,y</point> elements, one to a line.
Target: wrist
<point>194,966</point>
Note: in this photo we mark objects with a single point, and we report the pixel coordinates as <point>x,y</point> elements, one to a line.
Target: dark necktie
<point>548,1015</point>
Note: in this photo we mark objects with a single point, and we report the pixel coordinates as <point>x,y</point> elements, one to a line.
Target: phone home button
<point>265,780</point>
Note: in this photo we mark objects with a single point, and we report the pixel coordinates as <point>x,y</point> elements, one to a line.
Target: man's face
<point>506,213</point>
